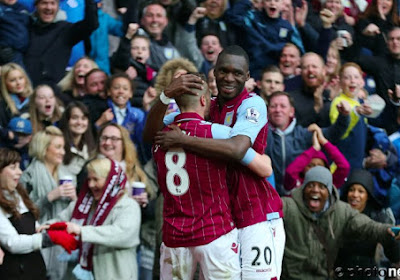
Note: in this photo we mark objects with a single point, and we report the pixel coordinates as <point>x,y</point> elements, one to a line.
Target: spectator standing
<point>314,156</point>
<point>311,100</point>
<point>131,57</point>
<point>359,193</point>
<point>154,21</point>
<point>73,83</point>
<point>16,89</point>
<point>79,142</point>
<point>41,179</point>
<point>353,142</point>
<point>18,216</point>
<point>312,240</point>
<point>109,238</point>
<point>43,108</point>
<point>287,140</point>
<point>51,41</point>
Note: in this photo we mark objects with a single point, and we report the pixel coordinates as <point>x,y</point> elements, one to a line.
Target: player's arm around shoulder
<point>259,164</point>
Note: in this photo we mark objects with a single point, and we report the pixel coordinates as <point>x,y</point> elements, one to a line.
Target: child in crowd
<point>314,156</point>
<point>16,89</point>
<point>14,36</point>
<point>43,108</point>
<point>353,142</point>
<point>131,57</point>
<point>120,91</point>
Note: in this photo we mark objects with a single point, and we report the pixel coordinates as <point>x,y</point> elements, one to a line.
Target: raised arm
<point>82,29</point>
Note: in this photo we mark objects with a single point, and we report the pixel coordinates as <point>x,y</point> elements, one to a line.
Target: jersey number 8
<point>177,177</point>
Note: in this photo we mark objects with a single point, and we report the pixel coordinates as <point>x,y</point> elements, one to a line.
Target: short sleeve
<point>251,118</point>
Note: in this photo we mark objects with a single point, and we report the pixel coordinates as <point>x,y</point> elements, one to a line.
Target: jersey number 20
<point>177,176</point>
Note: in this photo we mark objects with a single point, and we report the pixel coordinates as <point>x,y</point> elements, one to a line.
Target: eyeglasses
<point>112,138</point>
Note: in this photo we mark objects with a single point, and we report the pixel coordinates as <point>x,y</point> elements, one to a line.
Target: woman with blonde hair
<point>107,222</point>
<point>16,88</point>
<point>44,109</point>
<point>115,143</point>
<point>73,83</point>
<point>47,191</point>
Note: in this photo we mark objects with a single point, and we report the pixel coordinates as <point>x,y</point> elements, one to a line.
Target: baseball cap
<point>20,125</point>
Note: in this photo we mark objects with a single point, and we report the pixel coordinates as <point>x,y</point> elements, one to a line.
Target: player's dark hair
<point>235,50</point>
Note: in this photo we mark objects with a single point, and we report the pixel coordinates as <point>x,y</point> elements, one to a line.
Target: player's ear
<point>203,100</point>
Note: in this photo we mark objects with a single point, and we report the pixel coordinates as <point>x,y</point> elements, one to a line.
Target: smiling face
<point>47,10</point>
<point>140,50</point>
<point>289,60</point>
<point>9,176</point>
<point>280,112</point>
<point>120,91</point>
<point>357,197</point>
<point>95,83</point>
<point>312,70</point>
<point>82,67</point>
<point>210,48</point>
<point>315,195</point>
<point>110,144</point>
<point>351,81</point>
<point>154,20</point>
<point>96,185</point>
<point>15,82</point>
<point>55,152</point>
<point>231,72</point>
<point>45,101</point>
<point>273,8</point>
<point>78,122</point>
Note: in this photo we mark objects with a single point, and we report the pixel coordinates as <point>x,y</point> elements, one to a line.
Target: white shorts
<point>218,259</point>
<point>262,246</point>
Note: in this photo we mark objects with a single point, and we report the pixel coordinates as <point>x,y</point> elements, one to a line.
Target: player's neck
<point>198,111</point>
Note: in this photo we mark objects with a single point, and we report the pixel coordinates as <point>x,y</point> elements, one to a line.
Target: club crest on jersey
<point>252,115</point>
<point>228,118</point>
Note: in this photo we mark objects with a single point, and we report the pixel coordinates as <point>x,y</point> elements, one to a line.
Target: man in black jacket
<point>51,41</point>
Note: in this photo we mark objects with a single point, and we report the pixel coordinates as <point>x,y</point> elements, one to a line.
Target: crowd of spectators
<point>328,72</point>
